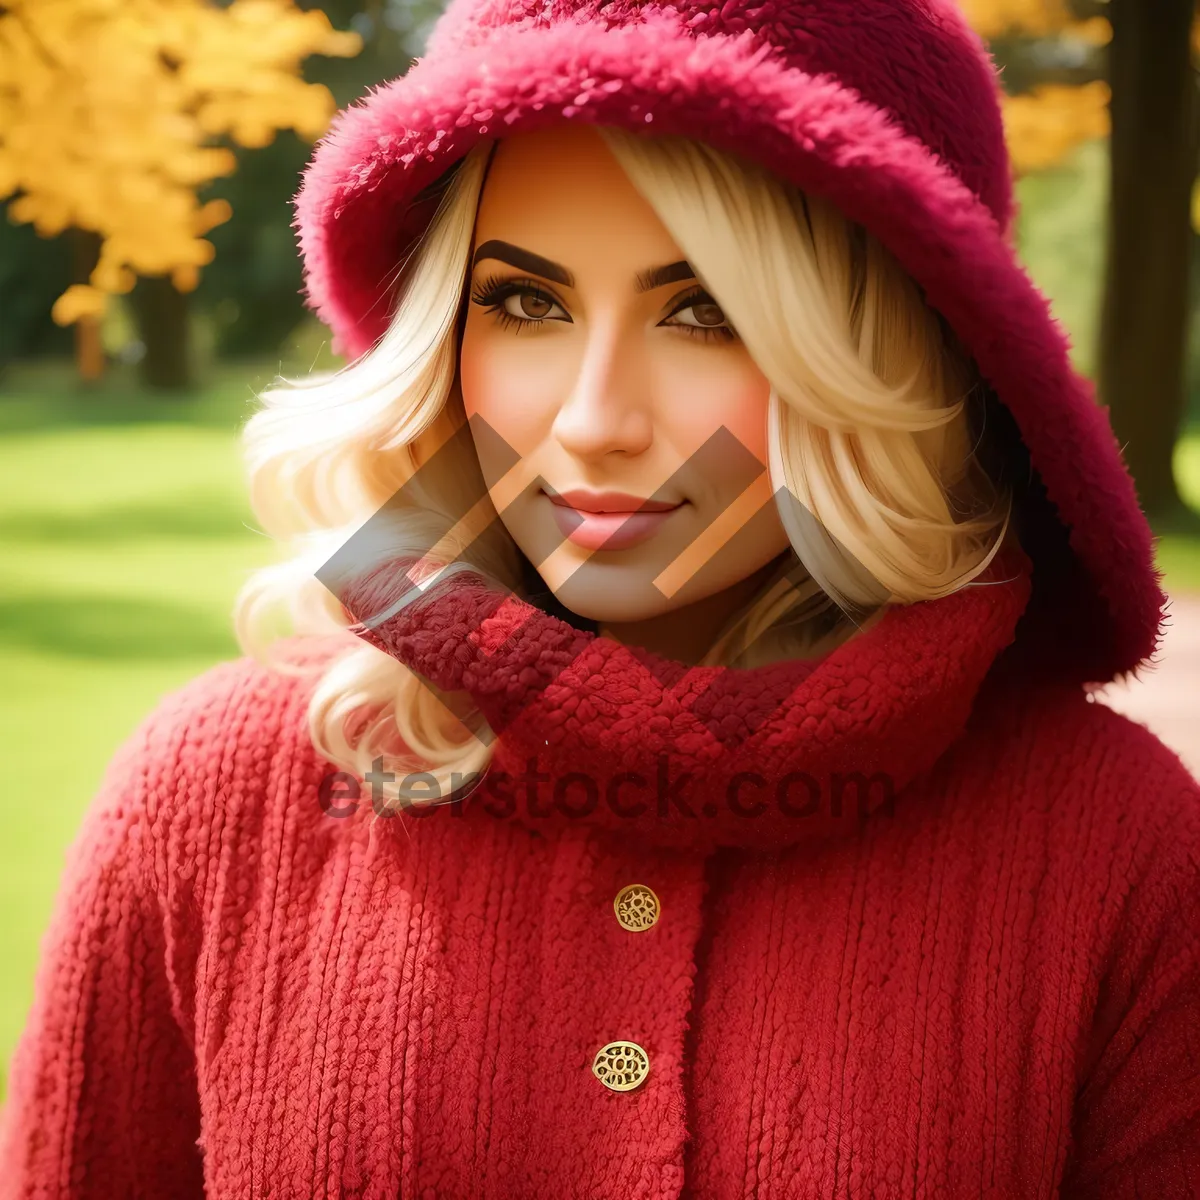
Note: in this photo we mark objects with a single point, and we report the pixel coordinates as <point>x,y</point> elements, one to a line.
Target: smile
<point>608,520</point>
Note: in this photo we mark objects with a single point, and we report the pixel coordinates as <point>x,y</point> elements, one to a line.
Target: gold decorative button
<point>621,1066</point>
<point>636,907</point>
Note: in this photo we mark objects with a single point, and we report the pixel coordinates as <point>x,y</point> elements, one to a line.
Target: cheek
<point>480,377</point>
<point>732,393</point>
<point>507,386</point>
<point>735,394</point>
<point>746,418</point>
<point>510,391</point>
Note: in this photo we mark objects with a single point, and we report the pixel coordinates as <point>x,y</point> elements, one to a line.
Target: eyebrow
<point>526,260</point>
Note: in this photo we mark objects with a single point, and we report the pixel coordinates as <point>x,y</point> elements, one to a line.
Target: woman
<point>685,780</point>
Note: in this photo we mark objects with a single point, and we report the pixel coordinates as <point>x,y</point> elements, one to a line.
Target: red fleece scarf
<point>592,730</point>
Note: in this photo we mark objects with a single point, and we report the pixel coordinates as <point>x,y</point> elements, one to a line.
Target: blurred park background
<point>150,286</point>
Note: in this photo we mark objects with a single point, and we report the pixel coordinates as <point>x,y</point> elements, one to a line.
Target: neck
<point>688,633</point>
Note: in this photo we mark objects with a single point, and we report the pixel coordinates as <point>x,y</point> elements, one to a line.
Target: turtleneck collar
<point>593,733</point>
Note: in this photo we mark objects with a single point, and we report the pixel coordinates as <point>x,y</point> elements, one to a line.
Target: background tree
<point>257,268</point>
<point>1144,330</point>
<point>1076,69</point>
<point>1051,57</point>
<point>108,114</point>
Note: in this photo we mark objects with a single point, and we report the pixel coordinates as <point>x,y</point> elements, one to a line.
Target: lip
<point>608,520</point>
<point>609,502</point>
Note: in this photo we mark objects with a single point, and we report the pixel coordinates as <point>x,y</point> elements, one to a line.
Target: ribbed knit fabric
<point>993,989</point>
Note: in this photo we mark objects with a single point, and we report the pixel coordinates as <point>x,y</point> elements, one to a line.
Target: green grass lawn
<point>127,536</point>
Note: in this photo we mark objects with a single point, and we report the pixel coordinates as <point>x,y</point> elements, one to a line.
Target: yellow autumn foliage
<point>108,109</point>
<point>1044,124</point>
<point>1036,18</point>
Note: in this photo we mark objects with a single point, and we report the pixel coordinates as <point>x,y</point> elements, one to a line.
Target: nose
<point>608,409</point>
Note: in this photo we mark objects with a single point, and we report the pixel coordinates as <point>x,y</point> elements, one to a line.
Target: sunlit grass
<point>126,536</point>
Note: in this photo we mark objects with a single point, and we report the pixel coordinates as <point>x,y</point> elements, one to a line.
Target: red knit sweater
<point>989,986</point>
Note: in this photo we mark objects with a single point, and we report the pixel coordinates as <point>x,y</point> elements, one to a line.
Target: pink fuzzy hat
<point>888,108</point>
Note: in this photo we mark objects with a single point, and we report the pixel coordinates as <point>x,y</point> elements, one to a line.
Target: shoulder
<point>228,714</point>
<point>1107,793</point>
<point>1111,754</point>
<point>1066,733</point>
<point>226,749</point>
<point>189,814</point>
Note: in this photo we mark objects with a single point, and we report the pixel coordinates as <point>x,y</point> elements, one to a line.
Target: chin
<point>616,608</point>
<point>615,595</point>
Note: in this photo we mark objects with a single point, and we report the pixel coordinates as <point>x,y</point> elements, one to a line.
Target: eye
<point>710,322</point>
<point>518,302</point>
<point>532,304</point>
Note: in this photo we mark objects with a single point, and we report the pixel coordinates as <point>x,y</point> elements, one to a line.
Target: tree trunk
<point>1145,318</point>
<point>89,349</point>
<point>162,317</point>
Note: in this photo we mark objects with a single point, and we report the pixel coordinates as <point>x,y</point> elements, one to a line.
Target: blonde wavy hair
<point>870,432</point>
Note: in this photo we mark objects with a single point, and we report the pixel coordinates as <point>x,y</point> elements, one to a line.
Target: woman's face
<point>612,378</point>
